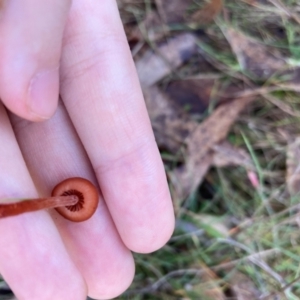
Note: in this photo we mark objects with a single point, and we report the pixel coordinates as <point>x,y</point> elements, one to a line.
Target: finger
<point>30,47</point>
<point>94,245</point>
<point>101,91</point>
<point>33,259</point>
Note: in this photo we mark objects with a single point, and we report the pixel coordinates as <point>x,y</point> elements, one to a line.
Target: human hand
<point>101,132</point>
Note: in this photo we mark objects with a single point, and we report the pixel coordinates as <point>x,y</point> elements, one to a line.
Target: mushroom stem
<point>16,208</point>
<point>76,199</point>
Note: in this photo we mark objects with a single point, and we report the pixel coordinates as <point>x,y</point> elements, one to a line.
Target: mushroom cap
<point>87,194</point>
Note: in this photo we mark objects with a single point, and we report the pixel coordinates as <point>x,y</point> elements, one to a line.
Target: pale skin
<point>99,131</point>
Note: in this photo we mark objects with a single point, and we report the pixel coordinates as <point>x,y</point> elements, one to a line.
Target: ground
<point>223,99</point>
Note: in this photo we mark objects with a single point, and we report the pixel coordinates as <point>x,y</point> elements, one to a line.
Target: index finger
<point>102,94</point>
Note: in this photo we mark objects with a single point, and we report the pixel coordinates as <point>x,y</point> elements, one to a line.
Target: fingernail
<point>43,94</point>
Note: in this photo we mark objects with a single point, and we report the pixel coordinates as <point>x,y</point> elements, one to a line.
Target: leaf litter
<point>201,74</point>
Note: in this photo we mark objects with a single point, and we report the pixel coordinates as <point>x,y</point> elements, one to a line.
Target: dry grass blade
<point>198,272</point>
<point>253,56</point>
<point>285,10</point>
<point>153,66</point>
<point>283,289</point>
<point>281,105</point>
<point>269,89</point>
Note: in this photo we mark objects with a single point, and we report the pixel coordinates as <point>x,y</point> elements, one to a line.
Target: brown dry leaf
<point>172,11</point>
<point>226,154</point>
<point>243,287</point>
<point>153,66</point>
<point>173,129</point>
<point>209,287</point>
<point>191,95</point>
<point>199,144</point>
<point>175,11</point>
<point>253,56</point>
<point>184,183</point>
<point>208,12</point>
<point>293,167</point>
<point>171,125</point>
<point>151,28</point>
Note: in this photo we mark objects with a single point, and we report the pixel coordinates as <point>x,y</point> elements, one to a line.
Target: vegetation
<point>237,235</point>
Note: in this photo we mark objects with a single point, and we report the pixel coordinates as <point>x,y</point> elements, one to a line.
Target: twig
<point>255,260</point>
<point>282,7</point>
<point>284,288</point>
<point>265,90</point>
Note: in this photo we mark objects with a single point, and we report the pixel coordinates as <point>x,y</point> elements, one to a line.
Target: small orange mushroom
<point>76,199</point>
